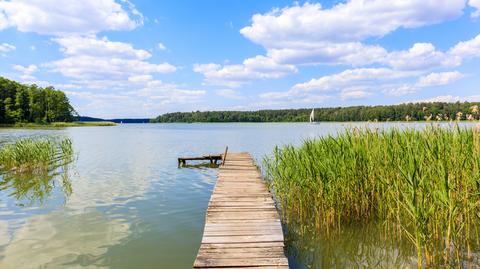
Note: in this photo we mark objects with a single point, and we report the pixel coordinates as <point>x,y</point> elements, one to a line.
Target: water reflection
<point>355,246</point>
<point>34,187</point>
<point>53,241</point>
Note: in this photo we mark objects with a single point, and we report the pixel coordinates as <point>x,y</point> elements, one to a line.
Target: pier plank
<point>242,225</point>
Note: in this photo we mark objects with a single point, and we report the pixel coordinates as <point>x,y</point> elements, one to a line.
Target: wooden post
<point>224,156</point>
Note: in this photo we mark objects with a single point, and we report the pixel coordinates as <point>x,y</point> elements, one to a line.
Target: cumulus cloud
<point>345,22</point>
<point>26,72</point>
<point>102,47</point>
<point>426,81</point>
<point>351,84</point>
<point>90,61</point>
<point>363,82</point>
<point>350,78</point>
<point>466,49</point>
<point>351,53</point>
<point>309,34</point>
<point>123,74</point>
<point>5,47</point>
<point>146,101</point>
<point>68,17</point>
<point>449,99</point>
<point>475,4</point>
<point>259,67</point>
<point>438,79</point>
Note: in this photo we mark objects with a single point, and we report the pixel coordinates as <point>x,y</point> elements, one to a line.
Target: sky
<point>139,58</point>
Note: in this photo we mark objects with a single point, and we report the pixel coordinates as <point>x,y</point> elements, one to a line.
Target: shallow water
<point>125,204</point>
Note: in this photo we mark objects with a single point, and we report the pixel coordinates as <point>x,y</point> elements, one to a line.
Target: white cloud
<point>147,101</point>
<point>438,79</point>
<point>450,99</point>
<point>426,81</point>
<point>259,67</point>
<point>355,20</point>
<point>351,84</point>
<point>354,53</point>
<point>161,46</point>
<point>101,63</point>
<point>52,17</point>
<point>5,47</point>
<point>92,46</point>
<point>309,34</point>
<point>475,4</point>
<point>351,77</point>
<point>140,78</point>
<point>26,69</point>
<point>91,68</point>
<point>466,49</point>
<point>419,56</point>
<point>363,82</point>
<point>229,94</point>
<point>26,72</point>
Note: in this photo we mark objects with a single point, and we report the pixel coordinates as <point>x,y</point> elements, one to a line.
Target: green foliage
<point>29,155</point>
<point>412,111</point>
<point>423,185</point>
<point>29,103</point>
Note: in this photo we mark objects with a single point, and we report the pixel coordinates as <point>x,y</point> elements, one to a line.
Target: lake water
<point>125,203</point>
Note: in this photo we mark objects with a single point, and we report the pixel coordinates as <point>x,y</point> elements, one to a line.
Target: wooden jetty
<point>242,227</point>
<point>212,158</point>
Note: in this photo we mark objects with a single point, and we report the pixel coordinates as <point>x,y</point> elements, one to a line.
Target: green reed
<point>27,154</point>
<point>422,185</point>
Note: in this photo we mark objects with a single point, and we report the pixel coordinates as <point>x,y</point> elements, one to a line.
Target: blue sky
<point>118,58</point>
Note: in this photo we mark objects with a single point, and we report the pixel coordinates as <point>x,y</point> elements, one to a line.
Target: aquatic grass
<point>29,154</point>
<point>421,185</point>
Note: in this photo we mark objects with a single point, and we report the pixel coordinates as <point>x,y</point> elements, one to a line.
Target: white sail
<point>312,115</point>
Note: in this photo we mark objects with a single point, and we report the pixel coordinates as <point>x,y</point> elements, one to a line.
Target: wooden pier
<point>242,227</point>
<point>212,158</point>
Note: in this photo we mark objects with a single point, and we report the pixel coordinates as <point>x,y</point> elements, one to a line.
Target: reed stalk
<point>423,185</point>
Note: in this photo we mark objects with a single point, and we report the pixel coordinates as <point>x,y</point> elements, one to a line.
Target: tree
<point>30,103</point>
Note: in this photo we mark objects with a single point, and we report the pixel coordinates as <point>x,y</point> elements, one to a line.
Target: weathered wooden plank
<point>240,262</point>
<point>242,228</point>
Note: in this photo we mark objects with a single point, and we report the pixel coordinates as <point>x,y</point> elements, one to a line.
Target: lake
<point>124,203</point>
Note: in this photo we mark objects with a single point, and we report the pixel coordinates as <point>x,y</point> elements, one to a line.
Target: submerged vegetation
<point>422,186</point>
<point>403,112</point>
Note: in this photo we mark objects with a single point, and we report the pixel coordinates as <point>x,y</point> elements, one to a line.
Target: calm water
<point>125,204</point>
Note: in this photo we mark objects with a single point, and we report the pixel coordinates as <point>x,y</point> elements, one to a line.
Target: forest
<point>401,112</point>
<point>20,103</point>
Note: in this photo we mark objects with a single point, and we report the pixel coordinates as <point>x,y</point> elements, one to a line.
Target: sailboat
<point>312,116</point>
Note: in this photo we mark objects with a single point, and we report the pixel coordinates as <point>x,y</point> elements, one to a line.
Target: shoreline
<point>59,124</point>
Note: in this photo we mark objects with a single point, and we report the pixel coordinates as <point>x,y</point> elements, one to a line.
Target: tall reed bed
<point>423,185</point>
<point>28,155</point>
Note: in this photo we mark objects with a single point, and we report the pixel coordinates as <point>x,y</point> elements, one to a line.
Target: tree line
<point>401,112</point>
<point>20,103</point>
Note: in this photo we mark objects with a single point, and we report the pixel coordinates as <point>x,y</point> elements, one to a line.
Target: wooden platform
<point>242,227</point>
<point>212,158</point>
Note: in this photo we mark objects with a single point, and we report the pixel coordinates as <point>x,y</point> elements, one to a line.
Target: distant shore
<point>58,124</point>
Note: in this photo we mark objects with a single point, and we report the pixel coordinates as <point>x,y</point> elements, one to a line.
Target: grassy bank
<point>59,124</point>
<point>423,185</point>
